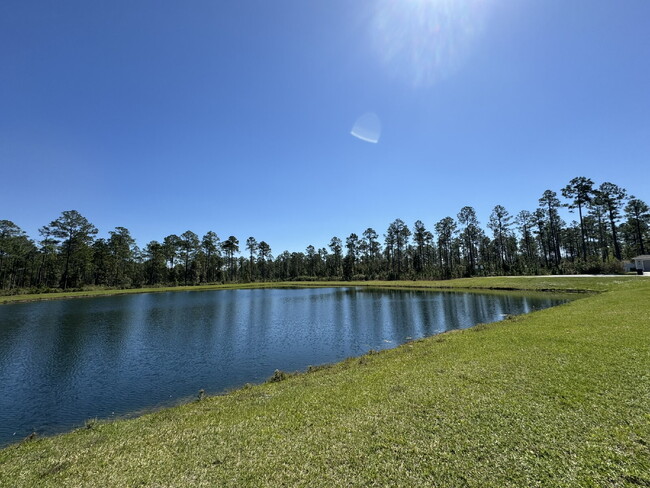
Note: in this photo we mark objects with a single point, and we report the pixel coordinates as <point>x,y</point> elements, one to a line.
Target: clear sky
<point>240,117</point>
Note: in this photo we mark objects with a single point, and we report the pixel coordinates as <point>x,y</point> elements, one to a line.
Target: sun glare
<point>367,128</point>
<point>424,41</point>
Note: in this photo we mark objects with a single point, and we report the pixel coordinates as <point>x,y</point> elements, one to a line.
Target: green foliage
<point>75,233</point>
<point>611,227</point>
<point>278,376</point>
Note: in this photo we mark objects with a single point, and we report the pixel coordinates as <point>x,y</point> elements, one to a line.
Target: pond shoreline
<point>576,284</point>
<point>535,387</point>
<point>107,357</point>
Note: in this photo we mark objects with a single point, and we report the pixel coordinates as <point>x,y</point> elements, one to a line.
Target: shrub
<point>278,376</point>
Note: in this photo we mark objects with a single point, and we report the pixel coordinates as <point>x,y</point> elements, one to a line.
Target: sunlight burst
<point>424,41</point>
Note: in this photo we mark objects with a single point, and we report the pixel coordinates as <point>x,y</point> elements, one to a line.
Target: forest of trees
<point>610,226</point>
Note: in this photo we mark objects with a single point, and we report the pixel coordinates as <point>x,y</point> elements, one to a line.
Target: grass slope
<point>568,283</point>
<point>559,397</point>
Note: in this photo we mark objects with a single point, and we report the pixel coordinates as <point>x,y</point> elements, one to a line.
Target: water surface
<point>65,361</point>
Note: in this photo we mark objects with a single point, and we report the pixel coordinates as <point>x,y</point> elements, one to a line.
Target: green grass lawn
<point>570,283</point>
<point>560,397</point>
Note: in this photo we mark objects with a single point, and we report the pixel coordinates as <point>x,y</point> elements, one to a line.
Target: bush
<point>278,376</point>
<point>591,266</point>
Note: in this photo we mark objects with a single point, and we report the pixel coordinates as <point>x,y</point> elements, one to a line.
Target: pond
<point>63,362</point>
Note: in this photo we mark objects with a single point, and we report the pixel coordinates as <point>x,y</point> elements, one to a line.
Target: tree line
<point>610,226</point>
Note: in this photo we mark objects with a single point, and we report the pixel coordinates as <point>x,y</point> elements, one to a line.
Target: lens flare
<point>367,128</point>
<point>424,41</point>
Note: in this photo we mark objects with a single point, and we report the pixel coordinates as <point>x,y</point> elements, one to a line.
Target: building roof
<point>643,257</point>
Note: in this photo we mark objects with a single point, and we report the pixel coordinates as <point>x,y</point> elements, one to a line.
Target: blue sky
<point>236,116</point>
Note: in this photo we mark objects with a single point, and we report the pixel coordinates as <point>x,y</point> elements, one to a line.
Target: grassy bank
<point>568,283</point>
<point>556,398</point>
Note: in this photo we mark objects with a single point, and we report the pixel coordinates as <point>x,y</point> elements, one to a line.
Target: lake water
<point>65,361</point>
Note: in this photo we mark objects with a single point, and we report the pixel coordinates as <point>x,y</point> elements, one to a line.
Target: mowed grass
<point>568,283</point>
<point>560,397</point>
